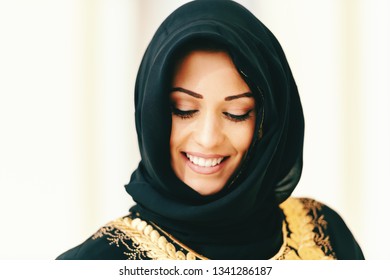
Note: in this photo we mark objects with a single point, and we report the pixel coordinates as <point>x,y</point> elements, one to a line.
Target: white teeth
<point>204,162</point>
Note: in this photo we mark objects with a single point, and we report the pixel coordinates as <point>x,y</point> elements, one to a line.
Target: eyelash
<point>183,114</point>
<point>191,113</point>
<point>238,118</point>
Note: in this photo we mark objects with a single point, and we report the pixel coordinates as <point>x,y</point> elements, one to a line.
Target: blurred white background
<point>67,138</point>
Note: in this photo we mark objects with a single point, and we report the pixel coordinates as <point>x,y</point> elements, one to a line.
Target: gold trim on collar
<point>148,240</point>
<point>304,236</point>
<point>199,256</point>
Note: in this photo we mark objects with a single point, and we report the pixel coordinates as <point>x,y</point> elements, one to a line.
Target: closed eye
<point>238,118</point>
<point>183,114</point>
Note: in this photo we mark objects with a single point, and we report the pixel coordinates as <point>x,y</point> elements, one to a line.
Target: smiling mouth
<point>205,162</point>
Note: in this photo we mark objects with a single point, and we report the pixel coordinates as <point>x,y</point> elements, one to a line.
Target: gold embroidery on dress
<point>195,255</point>
<point>118,238</point>
<point>147,240</point>
<point>303,236</point>
<point>306,238</point>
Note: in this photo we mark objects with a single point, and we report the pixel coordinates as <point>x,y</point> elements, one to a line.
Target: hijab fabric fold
<point>243,221</point>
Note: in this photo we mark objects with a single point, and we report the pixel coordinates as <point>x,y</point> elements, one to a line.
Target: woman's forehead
<point>201,71</point>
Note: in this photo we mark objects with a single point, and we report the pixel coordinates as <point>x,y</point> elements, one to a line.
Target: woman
<point>220,131</point>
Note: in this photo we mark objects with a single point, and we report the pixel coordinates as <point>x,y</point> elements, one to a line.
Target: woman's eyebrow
<point>245,94</point>
<point>189,92</point>
<point>199,96</point>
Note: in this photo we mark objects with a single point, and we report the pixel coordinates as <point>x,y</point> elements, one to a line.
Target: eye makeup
<point>238,118</point>
<point>191,113</point>
<point>185,109</point>
<point>183,114</point>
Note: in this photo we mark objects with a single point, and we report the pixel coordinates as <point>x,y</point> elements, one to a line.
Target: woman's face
<point>213,120</point>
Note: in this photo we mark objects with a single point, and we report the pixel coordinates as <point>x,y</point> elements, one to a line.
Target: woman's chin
<point>206,188</point>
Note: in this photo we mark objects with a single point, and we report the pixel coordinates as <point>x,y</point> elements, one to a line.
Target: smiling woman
<point>220,129</point>
<point>213,120</point>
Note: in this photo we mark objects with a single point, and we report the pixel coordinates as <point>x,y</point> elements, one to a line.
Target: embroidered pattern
<point>306,239</point>
<point>303,234</point>
<point>148,242</point>
<point>119,238</point>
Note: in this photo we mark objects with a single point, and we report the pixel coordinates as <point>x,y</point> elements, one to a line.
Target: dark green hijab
<point>243,221</point>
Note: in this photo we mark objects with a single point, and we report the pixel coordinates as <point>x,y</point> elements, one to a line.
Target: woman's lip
<point>204,155</point>
<point>203,170</point>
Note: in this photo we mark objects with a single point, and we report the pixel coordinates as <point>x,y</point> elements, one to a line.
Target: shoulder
<point>307,217</point>
<point>129,238</point>
<point>107,243</point>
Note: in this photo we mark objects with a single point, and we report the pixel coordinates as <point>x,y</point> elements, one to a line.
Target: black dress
<point>311,231</point>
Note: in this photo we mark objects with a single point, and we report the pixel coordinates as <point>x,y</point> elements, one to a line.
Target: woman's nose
<point>209,131</point>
